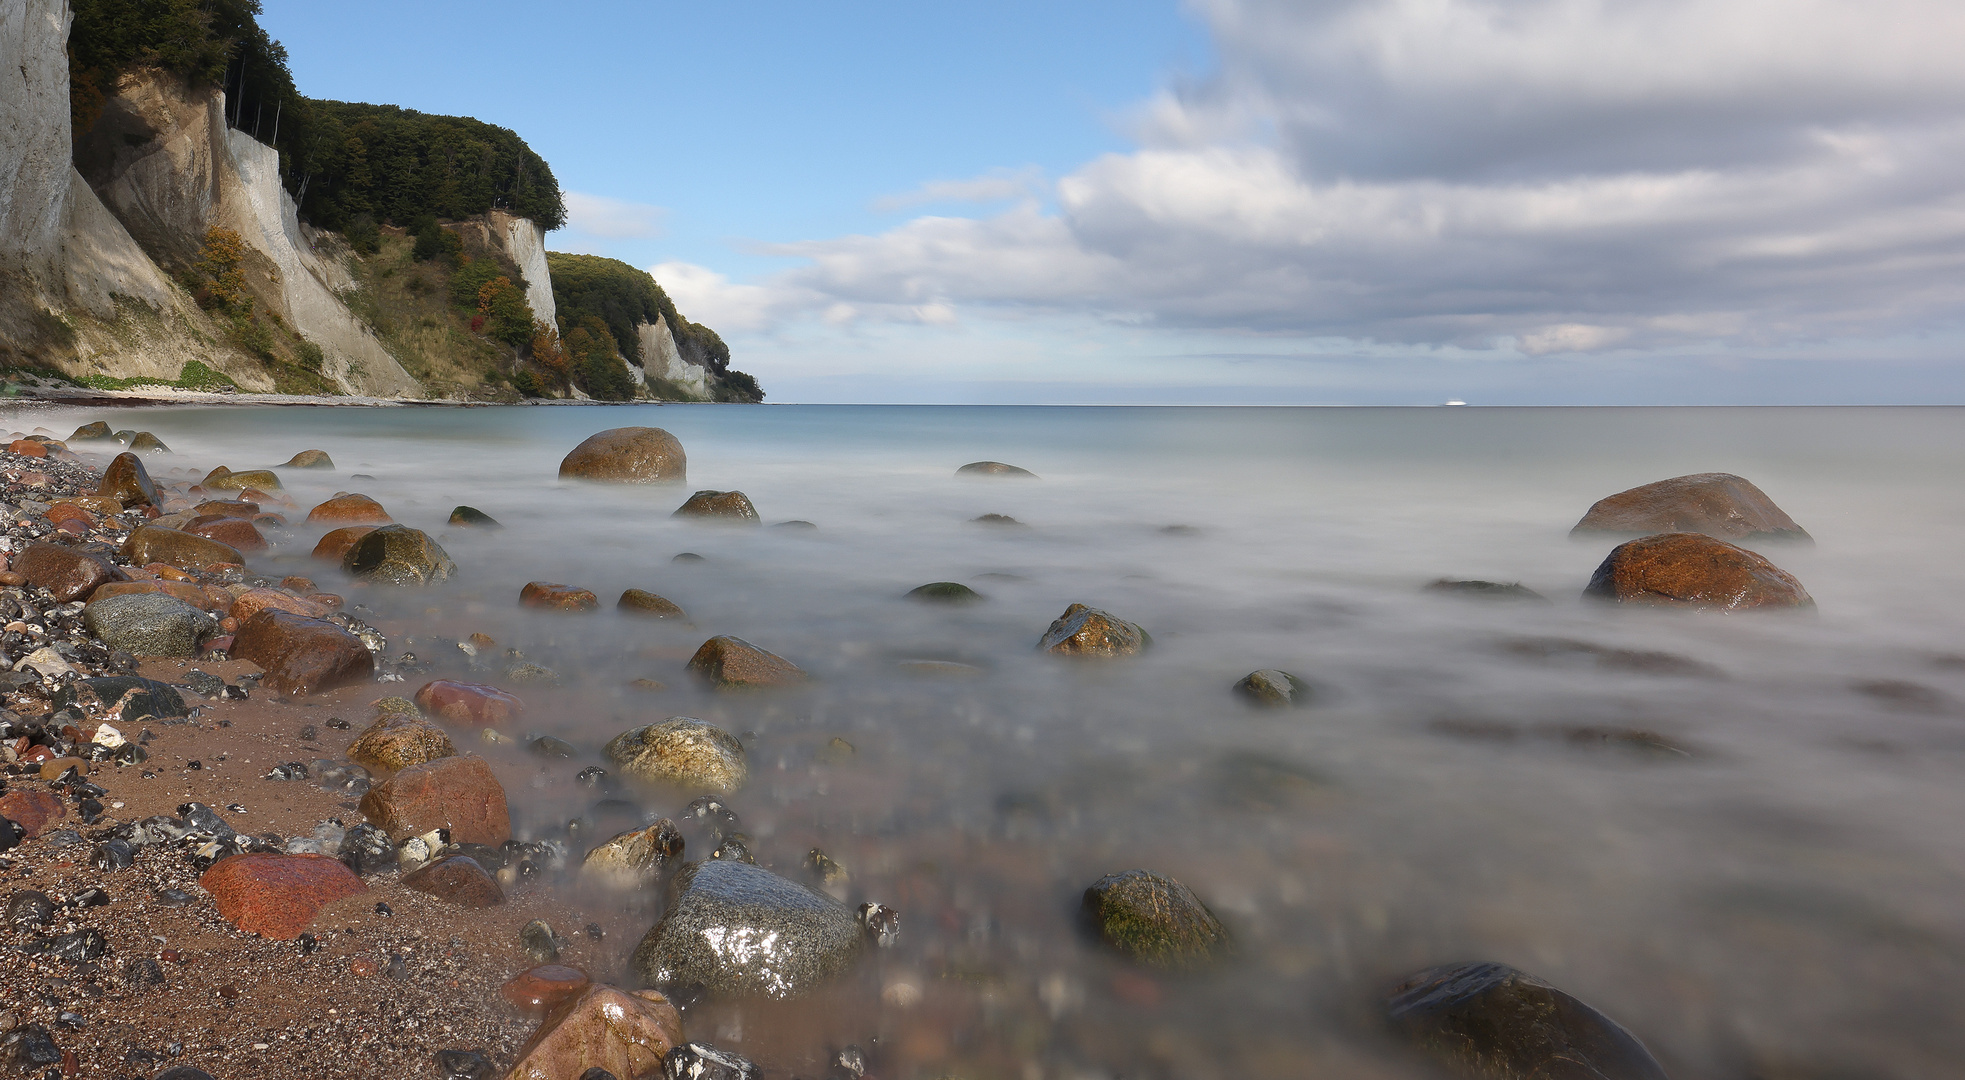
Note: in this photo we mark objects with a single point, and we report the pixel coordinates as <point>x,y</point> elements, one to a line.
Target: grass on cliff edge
<point>410,306</point>
<point>196,375</point>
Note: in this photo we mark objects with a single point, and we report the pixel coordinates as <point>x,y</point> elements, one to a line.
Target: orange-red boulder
<point>27,448</point>
<point>731,663</point>
<point>538,991</point>
<point>64,571</point>
<point>455,793</point>
<point>1694,570</point>
<point>349,509</point>
<point>230,531</point>
<point>602,1028</point>
<point>627,455</point>
<point>334,546</point>
<point>32,810</point>
<point>552,596</point>
<point>473,704</point>
<point>1716,504</point>
<point>277,896</point>
<point>459,879</point>
<point>302,655</point>
<point>253,601</point>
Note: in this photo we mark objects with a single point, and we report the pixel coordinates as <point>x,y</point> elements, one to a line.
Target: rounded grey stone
<point>683,751</point>
<point>149,624</point>
<point>741,930</point>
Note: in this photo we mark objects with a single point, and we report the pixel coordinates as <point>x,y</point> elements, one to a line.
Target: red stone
<point>277,896</point>
<point>603,1027</point>
<point>27,448</point>
<point>302,655</point>
<point>473,704</point>
<point>334,546</point>
<point>349,509</point>
<point>230,531</point>
<point>553,596</point>
<point>1694,570</point>
<point>459,879</point>
<point>538,991</point>
<point>32,809</point>
<point>253,601</point>
<point>69,574</point>
<point>455,793</point>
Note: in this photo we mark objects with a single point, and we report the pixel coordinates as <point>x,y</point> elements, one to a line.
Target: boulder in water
<point>1716,504</point>
<point>1089,632</point>
<point>146,443</point>
<point>647,604</point>
<point>224,479</point>
<point>1153,919</point>
<point>470,704</point>
<point>634,859</point>
<point>236,533</point>
<point>349,508</point>
<point>731,506</point>
<point>398,555</point>
<point>599,1032</point>
<point>395,742</point>
<point>96,432</point>
<point>470,517</point>
<point>1490,1022</point>
<point>1694,570</point>
<point>731,663</point>
<point>738,929</point>
<point>152,544</point>
<point>1486,590</point>
<point>334,546</point>
<point>1273,689</point>
<point>455,793</point>
<point>682,751</point>
<point>627,455</point>
<point>127,480</point>
<point>302,655</point>
<point>994,468</point>
<point>310,459</point>
<point>944,592</point>
<point>552,596</point>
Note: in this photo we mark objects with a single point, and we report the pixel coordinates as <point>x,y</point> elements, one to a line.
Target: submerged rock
<point>1694,570</point>
<point>146,443</point>
<point>458,879</point>
<point>944,592</point>
<point>334,546</point>
<point>349,509</point>
<point>127,480</point>
<point>552,596</point>
<point>627,455</point>
<point>149,624</point>
<point>1089,632</point>
<point>95,432</point>
<point>232,532</point>
<point>731,663</point>
<point>1486,590</point>
<point>399,555</point>
<point>645,603</point>
<point>1715,504</point>
<point>470,517</point>
<point>396,742</point>
<point>470,704</point>
<point>224,479</point>
<point>682,751</point>
<point>634,859</point>
<point>1491,1022</point>
<point>309,459</point>
<point>1273,689</point>
<point>1153,919</point>
<point>602,1030</point>
<point>739,929</point>
<point>994,468</point>
<point>731,506</point>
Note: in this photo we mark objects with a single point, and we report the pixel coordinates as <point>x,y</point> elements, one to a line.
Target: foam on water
<point>1749,854</point>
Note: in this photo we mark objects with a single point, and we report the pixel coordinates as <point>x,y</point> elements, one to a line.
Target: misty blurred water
<point>1756,865</point>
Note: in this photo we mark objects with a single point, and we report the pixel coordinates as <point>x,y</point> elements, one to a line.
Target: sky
<point>1242,201</point>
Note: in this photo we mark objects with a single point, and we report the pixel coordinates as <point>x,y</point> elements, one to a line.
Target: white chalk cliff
<point>661,359</point>
<point>525,245</point>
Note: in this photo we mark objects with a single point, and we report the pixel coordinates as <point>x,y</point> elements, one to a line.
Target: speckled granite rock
<point>682,751</point>
<point>737,929</point>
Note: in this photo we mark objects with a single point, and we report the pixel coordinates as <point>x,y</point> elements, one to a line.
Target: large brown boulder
<point>1491,1022</point>
<point>234,533</point>
<point>605,1030</point>
<point>455,793</point>
<point>1089,632</point>
<point>629,455</point>
<point>1694,570</point>
<point>150,544</point>
<point>681,751</point>
<point>302,655</point>
<point>64,571</point>
<point>470,704</point>
<point>399,555</point>
<point>647,604</point>
<point>126,479</point>
<point>731,663</point>
<point>224,479</point>
<point>1716,504</point>
<point>277,896</point>
<point>552,596</point>
<point>334,546</point>
<point>253,601</point>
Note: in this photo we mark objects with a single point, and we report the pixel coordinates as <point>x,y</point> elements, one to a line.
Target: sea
<point>1741,836</point>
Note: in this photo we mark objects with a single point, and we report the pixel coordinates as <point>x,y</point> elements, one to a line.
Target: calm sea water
<point>1755,861</point>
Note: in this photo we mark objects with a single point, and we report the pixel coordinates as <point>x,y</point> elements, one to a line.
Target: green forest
<point>347,164</point>
<point>596,295</point>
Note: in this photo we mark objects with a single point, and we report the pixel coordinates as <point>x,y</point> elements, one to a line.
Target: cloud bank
<point>1539,176</point>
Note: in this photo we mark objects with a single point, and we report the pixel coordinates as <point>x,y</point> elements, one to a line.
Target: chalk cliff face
<point>33,136</point>
<point>526,246</point>
<point>661,359</point>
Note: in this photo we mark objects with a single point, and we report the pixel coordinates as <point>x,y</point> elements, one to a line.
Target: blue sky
<point>1342,201</point>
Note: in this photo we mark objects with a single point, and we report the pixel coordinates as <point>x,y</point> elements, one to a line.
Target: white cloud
<point>602,218</point>
<point>997,185</point>
<point>1551,176</point>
